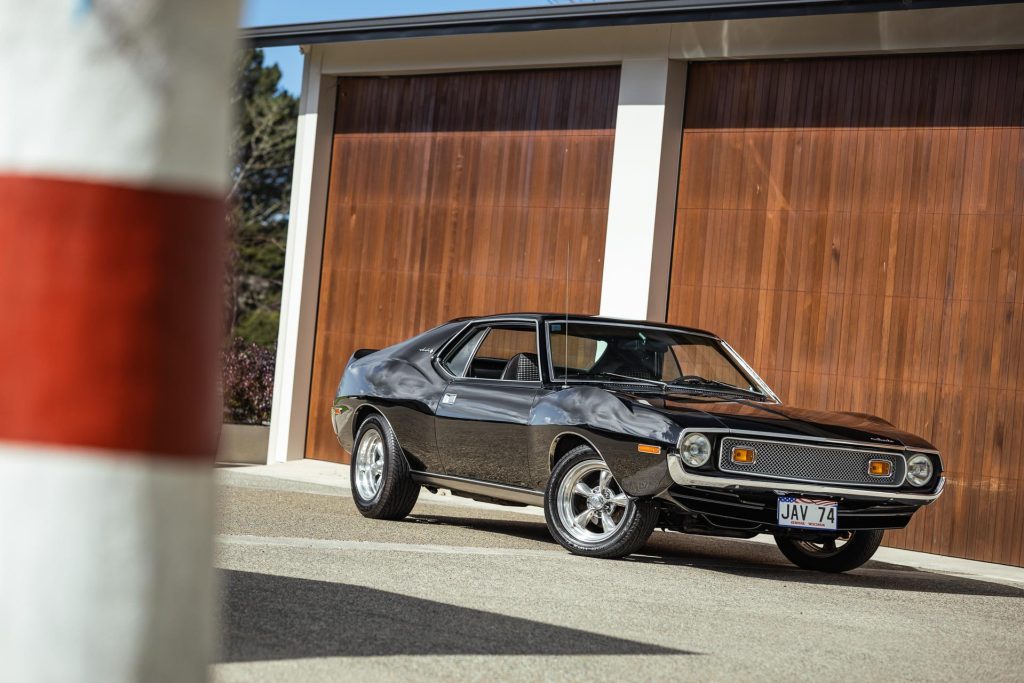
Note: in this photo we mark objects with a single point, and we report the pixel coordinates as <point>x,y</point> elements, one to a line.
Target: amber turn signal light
<point>879,468</point>
<point>653,450</point>
<point>743,456</point>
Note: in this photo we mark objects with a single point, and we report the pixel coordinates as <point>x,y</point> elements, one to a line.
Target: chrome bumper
<point>684,478</point>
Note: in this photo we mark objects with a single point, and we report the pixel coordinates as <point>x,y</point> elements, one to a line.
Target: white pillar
<point>114,131</point>
<point>294,366</point>
<point>642,201</point>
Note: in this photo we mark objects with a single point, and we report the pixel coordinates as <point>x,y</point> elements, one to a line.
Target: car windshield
<point>659,358</point>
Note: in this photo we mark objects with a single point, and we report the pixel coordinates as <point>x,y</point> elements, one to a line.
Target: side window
<point>503,343</point>
<point>505,352</point>
<point>457,361</point>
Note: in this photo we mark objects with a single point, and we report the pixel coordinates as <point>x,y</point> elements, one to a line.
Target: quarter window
<point>457,362</point>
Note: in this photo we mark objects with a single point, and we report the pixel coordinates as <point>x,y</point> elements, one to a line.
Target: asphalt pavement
<point>311,591</point>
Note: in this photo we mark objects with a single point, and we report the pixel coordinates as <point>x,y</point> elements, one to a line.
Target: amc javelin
<point>617,427</point>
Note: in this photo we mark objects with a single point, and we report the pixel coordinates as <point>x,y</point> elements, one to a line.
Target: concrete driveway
<point>310,590</point>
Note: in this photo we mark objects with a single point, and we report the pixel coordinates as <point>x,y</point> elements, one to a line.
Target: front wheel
<point>587,511</point>
<point>848,551</point>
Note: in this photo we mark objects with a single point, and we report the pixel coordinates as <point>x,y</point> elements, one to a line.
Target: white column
<point>302,263</point>
<point>114,131</point>
<point>645,172</point>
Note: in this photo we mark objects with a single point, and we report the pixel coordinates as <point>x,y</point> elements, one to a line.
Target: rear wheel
<point>841,554</point>
<point>379,475</point>
<point>587,511</point>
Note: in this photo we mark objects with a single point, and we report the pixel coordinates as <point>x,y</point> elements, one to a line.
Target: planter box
<point>243,444</point>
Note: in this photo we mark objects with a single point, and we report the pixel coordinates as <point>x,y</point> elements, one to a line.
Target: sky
<point>269,12</point>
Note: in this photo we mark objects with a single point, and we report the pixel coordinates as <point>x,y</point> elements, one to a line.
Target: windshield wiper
<point>704,381</point>
<point>628,378</point>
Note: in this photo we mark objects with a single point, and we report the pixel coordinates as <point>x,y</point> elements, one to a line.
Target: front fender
<point>611,424</point>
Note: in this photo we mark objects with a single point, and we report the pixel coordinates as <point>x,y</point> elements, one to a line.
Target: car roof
<point>545,317</point>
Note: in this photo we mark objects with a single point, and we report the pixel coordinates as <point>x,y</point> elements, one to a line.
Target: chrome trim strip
<point>443,347</point>
<point>790,438</point>
<point>512,494</point>
<point>653,326</point>
<point>824,445</point>
<point>472,354</point>
<point>737,358</point>
<point>683,478</point>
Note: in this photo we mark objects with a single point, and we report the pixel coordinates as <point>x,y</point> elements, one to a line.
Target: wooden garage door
<point>456,195</point>
<point>854,226</point>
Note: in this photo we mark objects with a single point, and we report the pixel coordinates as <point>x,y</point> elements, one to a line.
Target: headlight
<point>695,450</point>
<point>919,470</point>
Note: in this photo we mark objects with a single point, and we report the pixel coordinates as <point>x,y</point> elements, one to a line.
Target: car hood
<point>772,418</point>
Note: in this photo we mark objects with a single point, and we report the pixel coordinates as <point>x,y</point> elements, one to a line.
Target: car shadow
<point>765,561</point>
<point>531,531</point>
<point>751,560</point>
<point>267,617</point>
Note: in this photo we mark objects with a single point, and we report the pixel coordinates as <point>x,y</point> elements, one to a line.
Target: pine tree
<point>263,148</point>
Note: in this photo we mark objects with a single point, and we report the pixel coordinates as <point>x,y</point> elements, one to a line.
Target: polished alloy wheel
<point>590,504</point>
<point>369,464</point>
<point>827,548</point>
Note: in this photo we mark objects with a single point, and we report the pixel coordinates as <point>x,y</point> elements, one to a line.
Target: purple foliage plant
<point>248,375</point>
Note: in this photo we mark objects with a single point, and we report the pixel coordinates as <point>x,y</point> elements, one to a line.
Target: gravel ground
<point>313,591</point>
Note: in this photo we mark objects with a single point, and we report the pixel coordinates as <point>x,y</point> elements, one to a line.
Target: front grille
<point>822,464</point>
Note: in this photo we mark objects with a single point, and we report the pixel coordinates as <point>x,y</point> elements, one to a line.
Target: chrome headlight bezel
<point>694,449</point>
<point>917,480</point>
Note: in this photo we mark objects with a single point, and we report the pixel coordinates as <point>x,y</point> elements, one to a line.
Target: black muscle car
<point>617,427</point>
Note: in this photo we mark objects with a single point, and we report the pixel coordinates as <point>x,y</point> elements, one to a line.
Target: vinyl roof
<point>568,16</point>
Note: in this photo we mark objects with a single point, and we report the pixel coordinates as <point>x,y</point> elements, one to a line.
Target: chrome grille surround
<point>814,463</point>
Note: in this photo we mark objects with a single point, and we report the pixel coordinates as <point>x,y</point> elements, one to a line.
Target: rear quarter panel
<point>401,383</point>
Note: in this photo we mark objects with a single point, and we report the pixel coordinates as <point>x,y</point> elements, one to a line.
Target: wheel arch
<point>563,443</point>
<point>363,412</point>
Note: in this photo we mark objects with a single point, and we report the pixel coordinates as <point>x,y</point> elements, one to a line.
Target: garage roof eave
<point>589,15</point>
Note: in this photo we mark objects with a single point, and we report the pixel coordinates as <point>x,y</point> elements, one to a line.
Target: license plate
<point>808,513</point>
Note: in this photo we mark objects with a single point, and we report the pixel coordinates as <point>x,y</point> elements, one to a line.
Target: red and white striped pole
<point>114,121</point>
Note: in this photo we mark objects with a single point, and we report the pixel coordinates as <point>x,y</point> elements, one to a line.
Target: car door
<point>481,421</point>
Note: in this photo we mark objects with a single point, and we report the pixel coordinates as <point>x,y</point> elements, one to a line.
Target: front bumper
<point>757,512</point>
<point>682,477</point>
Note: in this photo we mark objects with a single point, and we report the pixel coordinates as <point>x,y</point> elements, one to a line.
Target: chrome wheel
<point>369,464</point>
<point>826,548</point>
<point>591,505</point>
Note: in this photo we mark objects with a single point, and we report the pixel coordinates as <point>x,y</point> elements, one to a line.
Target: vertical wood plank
<point>454,195</point>
<point>882,273</point>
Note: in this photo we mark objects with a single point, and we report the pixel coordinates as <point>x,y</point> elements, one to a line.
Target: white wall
<point>642,201</point>
<point>303,257</point>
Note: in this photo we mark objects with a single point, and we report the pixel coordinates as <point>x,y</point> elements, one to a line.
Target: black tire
<point>860,547</point>
<point>396,494</point>
<point>634,527</point>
